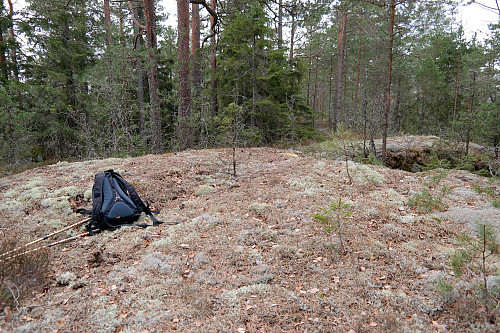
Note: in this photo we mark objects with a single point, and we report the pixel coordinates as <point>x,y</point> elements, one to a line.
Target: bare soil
<point>247,256</point>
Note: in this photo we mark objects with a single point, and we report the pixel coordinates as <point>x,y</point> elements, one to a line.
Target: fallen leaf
<point>373,324</point>
<point>313,291</point>
<point>241,330</point>
<point>439,327</point>
<point>123,315</point>
<point>8,314</point>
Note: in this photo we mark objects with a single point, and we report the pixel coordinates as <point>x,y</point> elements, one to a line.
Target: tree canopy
<point>83,79</point>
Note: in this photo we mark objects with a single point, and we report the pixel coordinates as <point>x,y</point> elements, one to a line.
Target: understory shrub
<point>21,274</point>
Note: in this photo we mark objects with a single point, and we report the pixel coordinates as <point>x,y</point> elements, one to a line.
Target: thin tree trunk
<point>254,82</point>
<point>385,123</point>
<point>184,112</point>
<point>397,116</point>
<point>151,46</point>
<point>340,70</point>
<point>122,115</point>
<point>457,81</point>
<point>330,110</point>
<point>309,69</point>
<point>280,24</point>
<point>139,67</point>
<point>315,91</point>
<point>359,69</point>
<point>213,62</point>
<point>107,19</point>
<point>3,59</point>
<point>13,52</point>
<point>195,37</point>
<point>293,30</point>
<point>470,115</point>
<point>365,115</point>
<point>488,78</point>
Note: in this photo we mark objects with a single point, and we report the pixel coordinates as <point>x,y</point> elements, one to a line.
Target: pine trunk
<point>151,45</point>
<point>184,111</point>
<point>340,71</point>
<point>213,62</point>
<point>385,123</point>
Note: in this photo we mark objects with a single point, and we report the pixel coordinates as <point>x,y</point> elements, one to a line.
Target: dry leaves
<point>439,327</point>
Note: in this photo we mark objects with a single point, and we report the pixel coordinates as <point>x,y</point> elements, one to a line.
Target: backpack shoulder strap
<point>96,200</point>
<point>139,203</point>
<point>137,200</point>
<point>131,192</point>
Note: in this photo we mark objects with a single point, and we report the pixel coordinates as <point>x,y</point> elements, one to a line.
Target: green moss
<point>11,194</point>
<point>56,203</point>
<point>287,252</point>
<point>35,193</point>
<point>161,243</point>
<point>35,182</point>
<point>87,195</point>
<point>10,205</point>
<point>364,174</point>
<point>232,297</point>
<point>389,197</point>
<point>66,279</point>
<point>71,191</point>
<point>260,208</point>
<point>204,190</point>
<point>54,223</point>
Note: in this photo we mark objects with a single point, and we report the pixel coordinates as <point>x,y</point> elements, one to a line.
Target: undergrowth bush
<point>425,202</point>
<point>21,274</point>
<point>474,264</point>
<point>334,217</point>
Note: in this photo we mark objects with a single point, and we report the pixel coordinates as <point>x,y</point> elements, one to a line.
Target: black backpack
<point>115,203</point>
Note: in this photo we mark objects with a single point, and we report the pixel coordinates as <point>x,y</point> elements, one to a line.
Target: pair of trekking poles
<point>22,250</point>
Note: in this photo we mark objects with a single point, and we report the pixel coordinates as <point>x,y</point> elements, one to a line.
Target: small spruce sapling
<point>474,258</point>
<point>334,217</point>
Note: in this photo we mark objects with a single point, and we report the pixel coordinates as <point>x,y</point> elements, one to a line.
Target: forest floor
<point>247,255</point>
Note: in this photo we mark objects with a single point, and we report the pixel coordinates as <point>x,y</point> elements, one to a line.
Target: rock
<point>394,147</point>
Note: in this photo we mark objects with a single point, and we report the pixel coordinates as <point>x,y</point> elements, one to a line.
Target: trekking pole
<point>44,238</point>
<point>48,245</point>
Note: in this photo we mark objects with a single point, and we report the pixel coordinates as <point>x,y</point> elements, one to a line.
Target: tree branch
<point>212,12</point>
<point>134,19</point>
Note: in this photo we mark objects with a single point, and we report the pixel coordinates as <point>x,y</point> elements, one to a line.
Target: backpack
<point>115,203</point>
